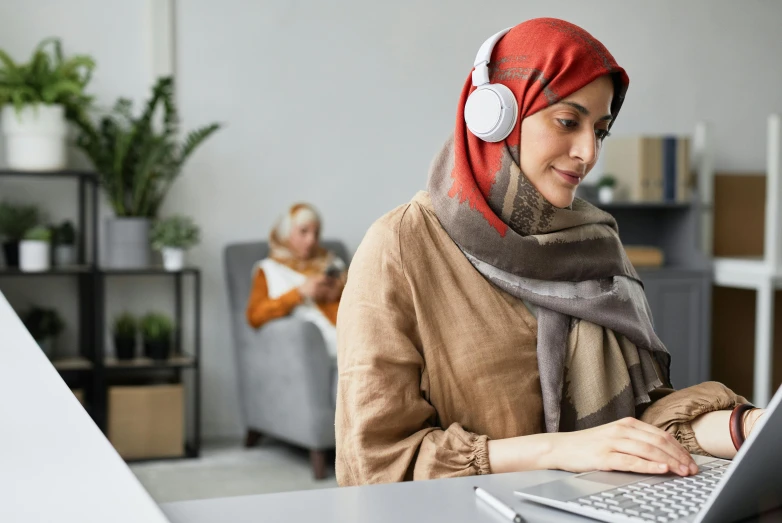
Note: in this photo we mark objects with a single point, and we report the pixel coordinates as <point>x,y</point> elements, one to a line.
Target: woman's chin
<point>561,199</point>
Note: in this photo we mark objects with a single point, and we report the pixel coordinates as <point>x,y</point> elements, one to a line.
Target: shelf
<point>93,373</point>
<point>683,206</point>
<point>73,363</point>
<point>55,271</point>
<point>68,173</point>
<point>672,270</point>
<point>149,271</point>
<point>181,361</point>
<point>86,269</point>
<point>745,273</point>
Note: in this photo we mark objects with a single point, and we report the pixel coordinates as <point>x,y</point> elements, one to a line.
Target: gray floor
<point>227,469</point>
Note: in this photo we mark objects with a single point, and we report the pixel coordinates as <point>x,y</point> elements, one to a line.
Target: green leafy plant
<point>156,327</point>
<point>176,231</point>
<point>125,326</point>
<point>17,219</point>
<point>48,78</point>
<point>39,233</point>
<point>64,234</point>
<point>607,180</point>
<point>43,323</point>
<point>136,162</point>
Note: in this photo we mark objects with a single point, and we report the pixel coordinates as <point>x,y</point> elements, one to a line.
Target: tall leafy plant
<point>137,160</point>
<point>47,78</point>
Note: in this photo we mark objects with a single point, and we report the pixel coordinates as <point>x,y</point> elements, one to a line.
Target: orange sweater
<point>261,308</point>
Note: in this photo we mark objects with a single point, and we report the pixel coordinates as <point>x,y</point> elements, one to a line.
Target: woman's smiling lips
<point>571,177</point>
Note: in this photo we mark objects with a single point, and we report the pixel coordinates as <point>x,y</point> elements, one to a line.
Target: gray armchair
<point>285,376</point>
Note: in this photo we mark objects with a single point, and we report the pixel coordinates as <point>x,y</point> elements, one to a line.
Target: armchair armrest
<point>286,376</point>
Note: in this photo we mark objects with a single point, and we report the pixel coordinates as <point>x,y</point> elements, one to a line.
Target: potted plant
<point>36,99</point>
<point>15,220</point>
<point>172,236</point>
<point>605,188</point>
<point>124,333</point>
<point>45,325</point>
<point>156,330</point>
<point>34,250</point>
<point>64,240</point>
<point>137,163</point>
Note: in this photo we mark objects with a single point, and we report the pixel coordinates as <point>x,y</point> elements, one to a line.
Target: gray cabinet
<point>681,310</point>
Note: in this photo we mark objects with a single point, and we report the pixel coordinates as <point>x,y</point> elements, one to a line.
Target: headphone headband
<point>480,75</point>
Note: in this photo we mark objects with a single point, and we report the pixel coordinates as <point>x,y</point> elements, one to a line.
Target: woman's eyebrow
<point>583,110</point>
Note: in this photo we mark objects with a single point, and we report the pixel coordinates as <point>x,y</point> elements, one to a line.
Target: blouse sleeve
<point>261,308</point>
<point>386,430</point>
<point>673,411</point>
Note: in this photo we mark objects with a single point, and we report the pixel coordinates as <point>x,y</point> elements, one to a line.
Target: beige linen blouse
<point>434,360</point>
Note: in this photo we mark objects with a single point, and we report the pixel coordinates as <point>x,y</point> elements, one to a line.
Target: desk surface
<point>55,464</point>
<point>445,500</point>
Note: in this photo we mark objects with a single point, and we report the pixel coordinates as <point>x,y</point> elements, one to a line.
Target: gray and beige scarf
<point>598,354</point>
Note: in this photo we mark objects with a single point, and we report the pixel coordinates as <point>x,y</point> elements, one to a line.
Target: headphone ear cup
<point>491,112</point>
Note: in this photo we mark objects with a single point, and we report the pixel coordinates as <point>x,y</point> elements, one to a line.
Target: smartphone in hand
<point>333,272</point>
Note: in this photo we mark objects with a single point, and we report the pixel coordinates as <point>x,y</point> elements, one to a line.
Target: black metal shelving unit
<point>91,369</point>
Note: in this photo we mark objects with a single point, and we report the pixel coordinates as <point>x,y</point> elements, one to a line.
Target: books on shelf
<point>650,168</point>
<point>645,255</point>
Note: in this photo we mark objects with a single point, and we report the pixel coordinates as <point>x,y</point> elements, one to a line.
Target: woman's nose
<point>585,147</point>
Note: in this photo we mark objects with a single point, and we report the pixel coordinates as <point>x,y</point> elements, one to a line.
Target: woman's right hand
<point>315,287</point>
<point>626,445</point>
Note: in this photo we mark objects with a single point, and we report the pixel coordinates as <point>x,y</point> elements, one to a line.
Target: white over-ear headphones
<point>491,110</point>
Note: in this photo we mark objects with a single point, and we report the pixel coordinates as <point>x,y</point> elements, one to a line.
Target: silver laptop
<point>721,491</point>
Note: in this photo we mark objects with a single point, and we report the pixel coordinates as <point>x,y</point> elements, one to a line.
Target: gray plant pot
<point>127,243</point>
<point>64,255</point>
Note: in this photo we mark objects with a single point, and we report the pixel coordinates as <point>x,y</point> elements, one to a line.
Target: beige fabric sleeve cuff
<point>674,411</point>
<point>480,455</point>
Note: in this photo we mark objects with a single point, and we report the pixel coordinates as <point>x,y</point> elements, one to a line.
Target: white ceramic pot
<point>34,137</point>
<point>173,258</point>
<point>34,256</point>
<point>605,194</point>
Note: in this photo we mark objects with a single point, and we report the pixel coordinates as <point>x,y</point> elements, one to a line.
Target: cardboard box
<point>147,421</point>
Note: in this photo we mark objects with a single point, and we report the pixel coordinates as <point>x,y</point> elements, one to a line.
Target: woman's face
<point>560,144</point>
<point>303,240</point>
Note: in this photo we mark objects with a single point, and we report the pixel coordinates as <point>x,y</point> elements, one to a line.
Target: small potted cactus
<point>15,221</point>
<point>156,331</point>
<point>64,240</point>
<point>172,236</point>
<point>35,251</point>
<point>45,325</point>
<point>124,334</point>
<point>605,189</point>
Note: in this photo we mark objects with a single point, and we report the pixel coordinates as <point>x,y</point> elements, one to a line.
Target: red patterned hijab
<point>542,61</point>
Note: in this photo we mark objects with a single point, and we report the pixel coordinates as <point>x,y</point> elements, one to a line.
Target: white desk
<point>441,501</point>
<point>55,464</point>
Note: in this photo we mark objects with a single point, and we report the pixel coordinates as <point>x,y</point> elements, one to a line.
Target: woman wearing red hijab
<point>494,323</point>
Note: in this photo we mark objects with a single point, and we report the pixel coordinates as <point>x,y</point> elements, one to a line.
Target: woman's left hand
<point>333,290</point>
<point>751,419</point>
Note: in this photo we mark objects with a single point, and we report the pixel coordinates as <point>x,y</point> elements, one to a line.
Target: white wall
<point>344,103</point>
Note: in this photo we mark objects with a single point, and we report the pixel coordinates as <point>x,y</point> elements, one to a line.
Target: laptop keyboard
<point>662,501</point>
